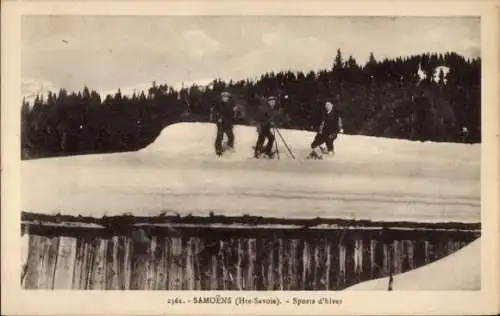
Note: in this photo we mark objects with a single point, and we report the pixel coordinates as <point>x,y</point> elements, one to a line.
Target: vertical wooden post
<point>65,263</point>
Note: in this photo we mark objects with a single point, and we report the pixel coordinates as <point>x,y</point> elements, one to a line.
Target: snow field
<point>368,178</point>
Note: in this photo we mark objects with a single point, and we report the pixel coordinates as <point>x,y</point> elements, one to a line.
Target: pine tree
<point>351,63</point>
<point>370,67</point>
<point>338,63</point>
<point>86,94</point>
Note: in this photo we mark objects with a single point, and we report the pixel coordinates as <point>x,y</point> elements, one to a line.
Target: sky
<point>130,52</point>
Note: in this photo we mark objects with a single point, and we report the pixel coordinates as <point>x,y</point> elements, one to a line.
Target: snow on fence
<point>223,253</point>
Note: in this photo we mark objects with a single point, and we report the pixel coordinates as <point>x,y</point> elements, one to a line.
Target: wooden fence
<point>243,254</point>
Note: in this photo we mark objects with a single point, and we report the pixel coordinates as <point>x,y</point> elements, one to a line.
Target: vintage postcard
<point>246,157</point>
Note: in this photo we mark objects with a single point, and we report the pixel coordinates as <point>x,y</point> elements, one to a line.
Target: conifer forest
<point>426,97</point>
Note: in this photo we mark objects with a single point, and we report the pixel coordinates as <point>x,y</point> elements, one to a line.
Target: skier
<point>222,114</point>
<point>268,117</point>
<point>329,127</point>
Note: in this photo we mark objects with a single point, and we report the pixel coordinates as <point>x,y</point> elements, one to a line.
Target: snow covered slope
<point>369,178</point>
<point>459,271</point>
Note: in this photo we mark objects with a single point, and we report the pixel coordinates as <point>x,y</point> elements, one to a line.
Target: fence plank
<point>269,265</point>
<point>189,275</point>
<point>341,279</point>
<point>328,267</point>
<point>318,268</point>
<point>229,268</point>
<point>295,265</point>
<point>215,275</point>
<point>350,274</point>
<point>420,254</point>
<point>91,253</point>
<point>25,247</point>
<point>252,263</point>
<point>280,284</point>
<point>112,264</point>
<point>358,260</point>
<point>373,259</point>
<point>78,282</point>
<point>408,255</point>
<point>367,264</point>
<point>150,264</point>
<point>334,269</point>
<point>124,244</point>
<point>286,268</point>
<point>260,265</point>
<point>222,266</point>
<point>307,268</point>
<point>48,264</point>
<point>35,257</point>
<point>66,256</point>
<point>429,252</point>
<point>98,275</point>
<point>232,257</point>
<point>386,266</point>
<point>197,249</point>
<point>379,259</point>
<point>240,264</point>
<point>175,272</point>
<point>160,263</point>
<point>396,257</point>
<point>205,262</point>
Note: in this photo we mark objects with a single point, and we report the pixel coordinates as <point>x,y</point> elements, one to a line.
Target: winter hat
<point>225,94</point>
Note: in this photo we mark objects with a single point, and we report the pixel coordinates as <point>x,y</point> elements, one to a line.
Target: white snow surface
<point>459,271</point>
<point>368,178</point>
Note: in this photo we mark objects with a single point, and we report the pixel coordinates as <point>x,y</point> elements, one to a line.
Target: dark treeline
<point>384,98</point>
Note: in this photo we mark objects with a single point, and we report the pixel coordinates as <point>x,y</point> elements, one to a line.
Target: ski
<point>265,156</point>
<point>314,156</point>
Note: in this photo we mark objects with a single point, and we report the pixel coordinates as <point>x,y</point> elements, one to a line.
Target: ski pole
<point>284,142</point>
<point>276,144</point>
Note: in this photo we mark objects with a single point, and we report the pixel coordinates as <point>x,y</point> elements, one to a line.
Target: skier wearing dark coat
<point>268,116</point>
<point>330,124</point>
<point>222,114</point>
